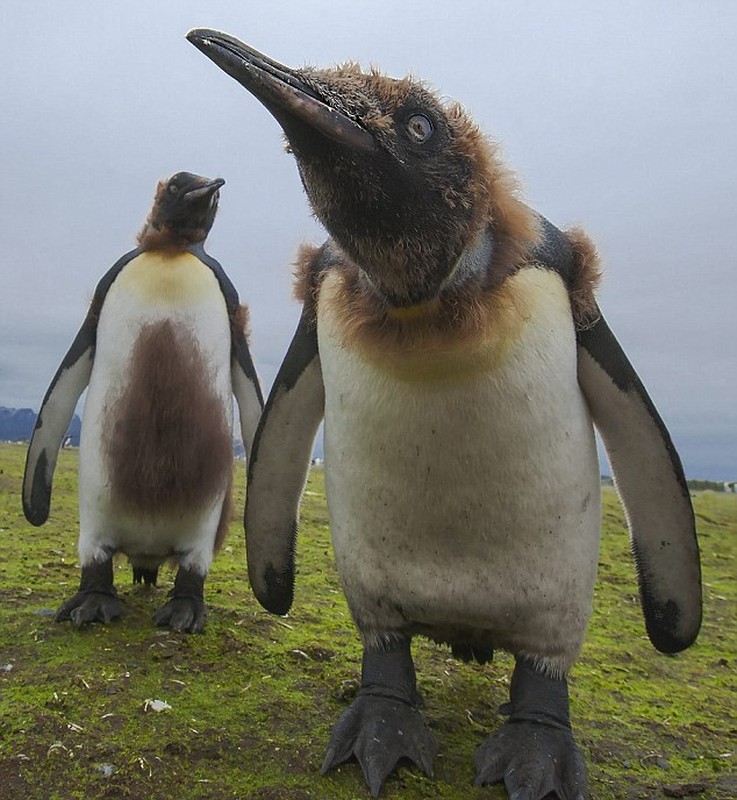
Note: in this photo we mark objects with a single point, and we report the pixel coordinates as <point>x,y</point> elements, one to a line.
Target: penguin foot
<point>379,731</point>
<point>88,606</point>
<point>96,600</point>
<point>382,725</point>
<point>146,576</point>
<point>186,610</point>
<point>534,752</point>
<point>183,614</point>
<point>533,760</point>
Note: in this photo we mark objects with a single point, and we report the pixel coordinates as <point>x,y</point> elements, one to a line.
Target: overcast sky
<point>620,116</point>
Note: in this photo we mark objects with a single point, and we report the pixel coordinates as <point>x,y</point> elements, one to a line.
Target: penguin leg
<point>145,575</point>
<point>97,599</point>
<point>534,752</point>
<point>186,609</point>
<point>383,725</point>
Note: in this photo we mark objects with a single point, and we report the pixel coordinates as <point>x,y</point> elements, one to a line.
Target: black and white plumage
<point>451,341</point>
<point>162,351</point>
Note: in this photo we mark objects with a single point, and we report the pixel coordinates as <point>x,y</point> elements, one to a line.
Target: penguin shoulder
<point>175,278</point>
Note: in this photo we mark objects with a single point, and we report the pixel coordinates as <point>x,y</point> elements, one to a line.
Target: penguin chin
<point>398,302</point>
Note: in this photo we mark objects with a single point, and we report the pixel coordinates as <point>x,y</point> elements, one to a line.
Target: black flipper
<point>534,752</point>
<point>58,405</point>
<point>382,725</point>
<point>245,383</point>
<point>647,470</point>
<point>278,466</point>
<point>650,480</point>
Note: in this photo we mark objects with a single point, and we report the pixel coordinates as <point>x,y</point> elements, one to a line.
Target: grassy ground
<point>254,697</point>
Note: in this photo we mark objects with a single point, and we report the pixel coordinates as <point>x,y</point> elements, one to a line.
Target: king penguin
<point>451,341</point>
<point>162,350</point>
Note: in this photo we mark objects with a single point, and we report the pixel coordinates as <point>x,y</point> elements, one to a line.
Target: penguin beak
<point>281,89</point>
<point>206,189</point>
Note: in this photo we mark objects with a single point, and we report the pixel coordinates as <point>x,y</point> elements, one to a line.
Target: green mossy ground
<point>254,697</point>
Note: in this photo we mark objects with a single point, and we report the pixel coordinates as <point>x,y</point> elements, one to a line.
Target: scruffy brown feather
<point>306,280</point>
<point>168,442</point>
<point>585,280</point>
<point>460,311</point>
<point>155,236</point>
<point>240,321</point>
<point>465,314</point>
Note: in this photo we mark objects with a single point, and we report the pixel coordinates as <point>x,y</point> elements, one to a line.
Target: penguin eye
<point>419,128</point>
<point>172,189</point>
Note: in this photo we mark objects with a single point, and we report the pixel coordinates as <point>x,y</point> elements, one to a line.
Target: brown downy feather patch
<point>168,441</point>
<point>478,192</point>
<point>585,279</point>
<point>468,186</point>
<point>493,192</point>
<point>306,280</point>
<point>163,240</point>
<point>155,236</point>
<point>240,321</point>
<point>463,315</point>
<point>458,312</point>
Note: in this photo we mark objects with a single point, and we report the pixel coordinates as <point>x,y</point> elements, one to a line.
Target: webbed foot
<point>87,607</point>
<point>96,600</point>
<point>533,761</point>
<point>382,725</point>
<point>379,731</point>
<point>186,610</point>
<point>534,752</point>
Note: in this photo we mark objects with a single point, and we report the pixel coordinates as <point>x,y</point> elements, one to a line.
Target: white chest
<point>151,290</point>
<point>464,489</point>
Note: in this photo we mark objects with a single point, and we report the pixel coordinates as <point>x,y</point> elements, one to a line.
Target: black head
<point>401,182</point>
<point>183,211</point>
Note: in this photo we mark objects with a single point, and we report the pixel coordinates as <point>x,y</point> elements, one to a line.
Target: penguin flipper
<point>53,420</point>
<point>244,380</point>
<point>278,466</point>
<point>60,401</point>
<point>651,483</point>
<point>246,389</point>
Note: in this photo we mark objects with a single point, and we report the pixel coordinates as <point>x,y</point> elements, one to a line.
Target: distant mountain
<point>16,425</point>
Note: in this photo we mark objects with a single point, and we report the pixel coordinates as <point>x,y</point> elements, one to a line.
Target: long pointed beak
<point>281,89</point>
<point>203,190</point>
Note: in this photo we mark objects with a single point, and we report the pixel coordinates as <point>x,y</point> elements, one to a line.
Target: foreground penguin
<point>163,349</point>
<point>451,340</point>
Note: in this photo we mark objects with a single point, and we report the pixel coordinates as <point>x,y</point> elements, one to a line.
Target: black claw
<point>186,609</point>
<point>382,726</point>
<point>329,761</point>
<point>380,732</point>
<point>96,600</point>
<point>87,607</point>
<point>183,614</point>
<point>534,752</point>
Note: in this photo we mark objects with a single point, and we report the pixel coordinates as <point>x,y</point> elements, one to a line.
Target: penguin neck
<point>472,265</point>
<point>473,262</point>
<point>168,240</point>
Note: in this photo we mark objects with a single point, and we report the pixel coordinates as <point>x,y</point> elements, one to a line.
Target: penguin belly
<point>463,483</point>
<point>156,451</point>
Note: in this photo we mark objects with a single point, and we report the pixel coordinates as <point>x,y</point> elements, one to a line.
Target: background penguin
<point>451,339</point>
<point>163,348</point>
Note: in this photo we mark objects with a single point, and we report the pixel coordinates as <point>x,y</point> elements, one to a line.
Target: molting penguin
<point>451,340</point>
<point>163,348</point>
